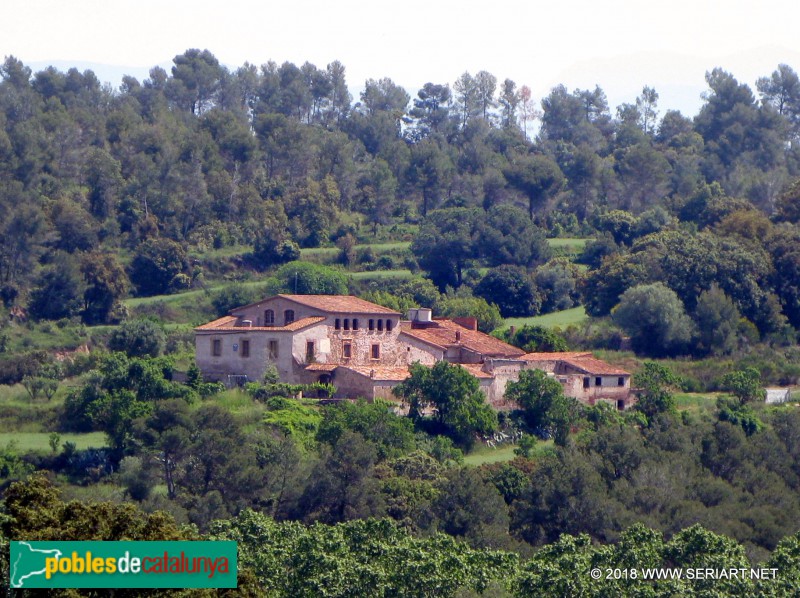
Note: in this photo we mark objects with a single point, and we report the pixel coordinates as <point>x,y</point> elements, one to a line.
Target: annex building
<point>364,349</point>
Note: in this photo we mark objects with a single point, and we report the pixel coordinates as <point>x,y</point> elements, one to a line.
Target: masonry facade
<point>365,349</point>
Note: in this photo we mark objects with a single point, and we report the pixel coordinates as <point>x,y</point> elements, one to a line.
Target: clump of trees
<point>453,394</point>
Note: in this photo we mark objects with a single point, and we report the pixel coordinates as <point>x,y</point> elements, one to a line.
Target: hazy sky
<point>619,44</point>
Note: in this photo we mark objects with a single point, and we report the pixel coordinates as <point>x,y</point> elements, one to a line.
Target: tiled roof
<point>583,361</point>
<point>555,356</point>
<point>228,324</point>
<point>442,333</point>
<point>476,370</point>
<point>219,322</point>
<point>379,372</point>
<point>321,367</point>
<point>597,367</point>
<point>332,304</point>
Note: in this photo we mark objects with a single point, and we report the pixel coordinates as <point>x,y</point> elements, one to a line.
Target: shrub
<point>137,338</point>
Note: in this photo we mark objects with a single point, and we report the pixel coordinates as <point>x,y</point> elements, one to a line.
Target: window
<point>355,323</point>
<point>347,323</point>
<point>269,318</point>
<point>216,347</point>
<point>388,325</point>
<point>598,381</point>
<point>245,348</point>
<point>586,382</point>
<point>288,317</point>
<point>273,349</point>
<point>337,324</point>
<point>371,325</point>
<point>347,350</point>
<point>309,350</point>
<point>376,352</point>
<point>380,325</point>
<point>620,381</point>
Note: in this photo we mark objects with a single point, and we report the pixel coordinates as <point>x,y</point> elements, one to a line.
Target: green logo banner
<point>123,565</point>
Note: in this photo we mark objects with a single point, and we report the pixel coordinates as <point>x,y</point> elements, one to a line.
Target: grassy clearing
<point>382,274</point>
<point>137,301</point>
<point>45,336</point>
<point>696,402</point>
<point>377,249</point>
<point>18,413</point>
<point>483,454</point>
<point>570,243</point>
<point>560,319</point>
<point>39,442</point>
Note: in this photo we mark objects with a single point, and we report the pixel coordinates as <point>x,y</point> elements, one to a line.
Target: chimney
<point>420,317</point>
<point>458,336</point>
<point>469,323</point>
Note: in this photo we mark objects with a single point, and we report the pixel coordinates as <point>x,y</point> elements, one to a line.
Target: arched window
<point>269,318</point>
<point>355,323</point>
<point>380,325</point>
<point>337,323</point>
<point>288,317</point>
<point>388,325</point>
<point>371,325</point>
<point>347,323</point>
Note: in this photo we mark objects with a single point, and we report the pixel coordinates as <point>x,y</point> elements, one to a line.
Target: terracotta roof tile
<point>582,360</point>
<point>380,372</point>
<point>332,304</point>
<point>597,367</point>
<point>476,370</point>
<point>223,321</point>
<point>555,356</point>
<point>321,367</point>
<point>227,324</point>
<point>442,333</point>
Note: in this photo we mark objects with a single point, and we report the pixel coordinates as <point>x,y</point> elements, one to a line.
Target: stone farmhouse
<point>365,349</point>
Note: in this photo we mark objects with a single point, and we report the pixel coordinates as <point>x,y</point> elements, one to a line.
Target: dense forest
<point>105,191</point>
<point>222,185</point>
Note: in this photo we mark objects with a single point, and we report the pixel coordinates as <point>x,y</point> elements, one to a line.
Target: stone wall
<point>230,360</point>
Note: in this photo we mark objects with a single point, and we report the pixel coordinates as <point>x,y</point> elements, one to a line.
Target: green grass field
<point>137,301</point>
<point>560,319</point>
<point>381,274</point>
<point>571,243</point>
<point>40,441</point>
<point>696,402</point>
<point>483,454</point>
